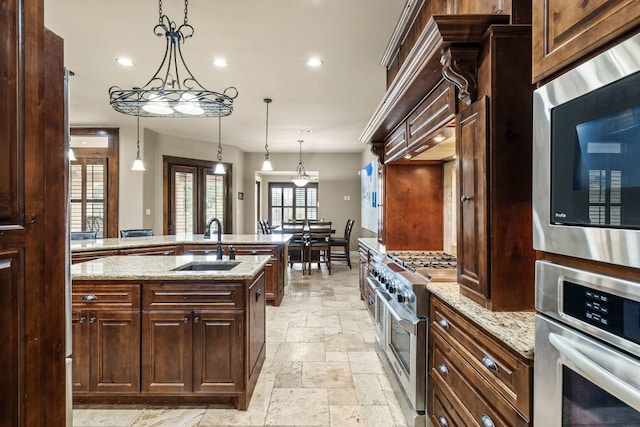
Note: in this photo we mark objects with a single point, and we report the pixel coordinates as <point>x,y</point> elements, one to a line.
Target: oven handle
<point>408,324</point>
<point>619,383</point>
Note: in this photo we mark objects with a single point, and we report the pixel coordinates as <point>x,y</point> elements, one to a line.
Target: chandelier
<point>173,91</point>
<point>302,178</point>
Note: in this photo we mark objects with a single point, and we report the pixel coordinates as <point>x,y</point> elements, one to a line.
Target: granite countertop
<point>514,328</point>
<point>161,268</point>
<point>178,239</point>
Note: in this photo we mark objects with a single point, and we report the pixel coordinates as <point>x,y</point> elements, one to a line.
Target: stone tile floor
<point>321,367</point>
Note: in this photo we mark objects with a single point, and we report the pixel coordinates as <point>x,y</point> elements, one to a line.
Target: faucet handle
<point>232,252</point>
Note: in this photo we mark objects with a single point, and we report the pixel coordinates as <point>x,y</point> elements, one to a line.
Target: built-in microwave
<point>586,159</point>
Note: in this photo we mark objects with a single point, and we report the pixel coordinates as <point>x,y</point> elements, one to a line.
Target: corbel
<point>460,67</point>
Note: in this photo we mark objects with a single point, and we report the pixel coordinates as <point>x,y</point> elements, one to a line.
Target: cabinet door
<point>115,351</point>
<point>217,351</point>
<point>166,351</point>
<point>80,355</point>
<point>256,315</point>
<point>472,139</point>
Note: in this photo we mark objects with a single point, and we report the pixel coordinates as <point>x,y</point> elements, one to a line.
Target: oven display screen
<point>595,150</point>
<point>586,404</point>
<point>609,312</point>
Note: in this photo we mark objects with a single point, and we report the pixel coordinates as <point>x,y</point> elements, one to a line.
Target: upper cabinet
<point>565,32</point>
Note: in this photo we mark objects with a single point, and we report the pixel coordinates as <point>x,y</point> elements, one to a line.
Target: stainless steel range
<point>401,318</point>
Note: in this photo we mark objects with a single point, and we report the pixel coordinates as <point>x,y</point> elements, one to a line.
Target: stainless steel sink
<point>207,266</point>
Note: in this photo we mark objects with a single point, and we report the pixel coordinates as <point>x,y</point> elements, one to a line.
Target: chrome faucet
<point>207,235</point>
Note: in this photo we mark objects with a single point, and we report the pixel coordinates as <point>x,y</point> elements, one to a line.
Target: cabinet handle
<point>92,319</point>
<point>89,297</point>
<point>258,293</point>
<point>205,252</point>
<point>186,319</point>
<point>196,319</point>
<point>489,363</point>
<point>443,323</point>
<point>254,252</point>
<point>166,253</point>
<point>443,370</point>
<point>486,421</point>
<point>443,421</point>
<point>465,198</point>
<point>82,319</point>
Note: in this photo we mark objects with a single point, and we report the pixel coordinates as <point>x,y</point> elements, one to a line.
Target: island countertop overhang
<point>162,268</point>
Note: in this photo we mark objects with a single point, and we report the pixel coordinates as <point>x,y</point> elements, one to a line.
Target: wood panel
<point>567,32</point>
<point>395,145</point>
<point>434,112</point>
<point>257,320</point>
<point>413,206</point>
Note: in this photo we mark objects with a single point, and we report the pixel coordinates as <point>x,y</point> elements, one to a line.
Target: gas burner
<point>414,260</point>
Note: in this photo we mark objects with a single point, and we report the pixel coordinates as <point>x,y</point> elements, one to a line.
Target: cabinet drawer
<point>199,249</point>
<point>105,296</point>
<point>449,369</point>
<point>443,412</point>
<point>200,296</point>
<point>256,250</point>
<point>77,257</point>
<point>502,369</point>
<point>158,250</point>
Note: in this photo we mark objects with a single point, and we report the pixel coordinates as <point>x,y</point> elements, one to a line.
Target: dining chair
<point>83,235</point>
<point>138,232</point>
<point>261,227</point>
<point>318,244</point>
<point>266,226</point>
<point>344,243</point>
<point>297,243</point>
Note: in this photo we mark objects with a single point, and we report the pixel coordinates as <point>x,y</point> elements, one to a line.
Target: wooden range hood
<point>447,47</point>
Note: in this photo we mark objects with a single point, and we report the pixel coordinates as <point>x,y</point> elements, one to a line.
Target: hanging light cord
<point>138,132</point>
<point>266,131</point>
<point>219,139</point>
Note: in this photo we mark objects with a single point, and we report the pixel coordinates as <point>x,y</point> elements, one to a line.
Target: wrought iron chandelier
<point>173,91</point>
<point>302,178</point>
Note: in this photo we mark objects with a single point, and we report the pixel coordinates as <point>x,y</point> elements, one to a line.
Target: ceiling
<point>266,43</point>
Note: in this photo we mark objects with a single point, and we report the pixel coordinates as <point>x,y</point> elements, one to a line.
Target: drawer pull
<point>89,297</point>
<point>443,323</point>
<point>486,421</point>
<point>82,319</point>
<point>196,319</point>
<point>167,253</point>
<point>92,319</point>
<point>254,252</point>
<point>489,363</point>
<point>186,320</point>
<point>443,369</point>
<point>258,293</point>
<point>443,421</point>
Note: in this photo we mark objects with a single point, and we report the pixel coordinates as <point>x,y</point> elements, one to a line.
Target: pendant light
<point>302,178</point>
<point>266,166</point>
<point>219,170</point>
<point>72,155</point>
<point>137,163</point>
<point>173,91</point>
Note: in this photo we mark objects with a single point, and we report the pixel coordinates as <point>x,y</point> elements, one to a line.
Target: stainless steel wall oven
<point>587,364</point>
<point>586,189</point>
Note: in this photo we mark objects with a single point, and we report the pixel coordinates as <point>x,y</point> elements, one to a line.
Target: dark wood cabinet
<point>494,144</point>
<point>474,378</point>
<point>84,256</point>
<point>256,324</point>
<point>565,32</point>
<point>105,318</point>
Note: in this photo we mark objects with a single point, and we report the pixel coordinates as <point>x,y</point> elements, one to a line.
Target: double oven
<point>400,311</point>
<point>586,201</point>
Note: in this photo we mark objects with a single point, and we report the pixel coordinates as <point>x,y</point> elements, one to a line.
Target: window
<point>286,202</point>
<point>194,194</point>
<point>94,181</point>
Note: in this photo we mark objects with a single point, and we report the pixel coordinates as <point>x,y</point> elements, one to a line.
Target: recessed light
<point>314,62</point>
<point>301,131</point>
<point>125,62</point>
<point>220,62</point>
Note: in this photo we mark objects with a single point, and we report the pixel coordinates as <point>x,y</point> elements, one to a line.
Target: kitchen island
<point>274,245</point>
<point>168,329</point>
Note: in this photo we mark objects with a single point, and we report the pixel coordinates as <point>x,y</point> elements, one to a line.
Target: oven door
<point>580,381</point>
<point>407,351</point>
<point>380,317</point>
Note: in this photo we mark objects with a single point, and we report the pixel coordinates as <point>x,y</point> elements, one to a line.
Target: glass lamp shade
<point>188,106</point>
<point>266,166</point>
<point>301,180</point>
<point>137,165</point>
<point>219,170</point>
<point>72,155</point>
<point>157,105</point>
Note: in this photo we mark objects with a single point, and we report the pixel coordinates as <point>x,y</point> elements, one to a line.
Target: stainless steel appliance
<point>401,318</point>
<point>586,192</point>
<point>437,266</point>
<point>587,345</point>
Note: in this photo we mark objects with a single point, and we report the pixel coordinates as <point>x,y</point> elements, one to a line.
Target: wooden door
<point>32,219</point>
<point>166,351</point>
<point>472,139</point>
<point>81,350</point>
<point>217,351</point>
<point>115,351</point>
